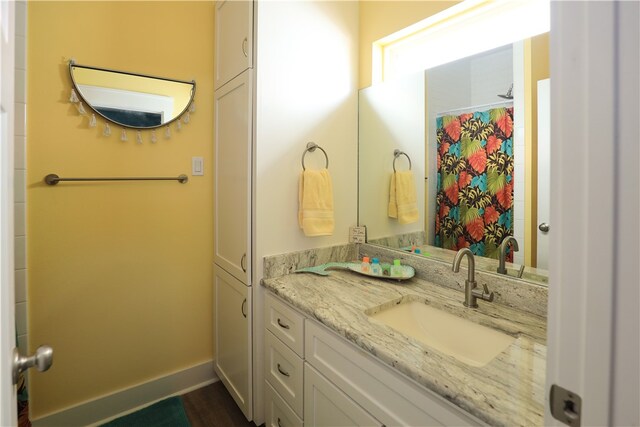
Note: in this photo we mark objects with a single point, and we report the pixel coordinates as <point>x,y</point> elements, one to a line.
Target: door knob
<point>544,227</point>
<point>42,360</point>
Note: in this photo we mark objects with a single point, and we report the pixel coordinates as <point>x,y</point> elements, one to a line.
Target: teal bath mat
<point>166,413</point>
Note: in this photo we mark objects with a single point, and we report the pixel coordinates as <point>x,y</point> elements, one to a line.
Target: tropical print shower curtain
<point>474,200</point>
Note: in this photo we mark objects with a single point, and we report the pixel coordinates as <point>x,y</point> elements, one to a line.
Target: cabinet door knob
<point>244,302</point>
<point>244,47</point>
<point>544,227</point>
<point>242,261</point>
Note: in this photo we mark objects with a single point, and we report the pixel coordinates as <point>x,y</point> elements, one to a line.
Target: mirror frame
<point>72,64</point>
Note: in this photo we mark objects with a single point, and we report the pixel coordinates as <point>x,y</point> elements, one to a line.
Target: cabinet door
<point>326,405</point>
<point>232,183</point>
<point>232,328</point>
<point>233,39</point>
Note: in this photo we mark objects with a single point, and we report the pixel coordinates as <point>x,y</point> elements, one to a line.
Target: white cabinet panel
<point>276,411</point>
<point>327,405</point>
<point>232,176</point>
<point>232,325</point>
<point>233,39</point>
<point>386,394</point>
<point>283,370</point>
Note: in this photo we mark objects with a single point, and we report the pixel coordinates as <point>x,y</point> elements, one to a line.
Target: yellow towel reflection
<point>402,197</point>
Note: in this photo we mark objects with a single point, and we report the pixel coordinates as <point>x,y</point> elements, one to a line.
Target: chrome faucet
<point>503,252</point>
<point>471,293</point>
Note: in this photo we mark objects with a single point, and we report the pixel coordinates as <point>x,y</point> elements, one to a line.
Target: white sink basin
<point>473,344</point>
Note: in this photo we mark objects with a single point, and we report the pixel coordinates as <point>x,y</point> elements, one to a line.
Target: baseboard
<point>111,406</point>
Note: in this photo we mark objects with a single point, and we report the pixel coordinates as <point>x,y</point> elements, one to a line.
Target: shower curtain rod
<point>473,108</point>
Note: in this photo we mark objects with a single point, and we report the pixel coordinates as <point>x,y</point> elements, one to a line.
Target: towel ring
<point>311,147</point>
<point>397,153</point>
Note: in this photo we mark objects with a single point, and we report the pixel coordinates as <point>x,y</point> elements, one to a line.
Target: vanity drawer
<point>284,371</point>
<point>277,412</point>
<point>285,323</point>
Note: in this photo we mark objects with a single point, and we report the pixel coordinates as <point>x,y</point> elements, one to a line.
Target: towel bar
<point>53,179</point>
<point>397,153</point>
<point>311,147</point>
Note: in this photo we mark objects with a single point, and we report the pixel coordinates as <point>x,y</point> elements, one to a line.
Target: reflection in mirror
<point>469,130</point>
<point>132,100</point>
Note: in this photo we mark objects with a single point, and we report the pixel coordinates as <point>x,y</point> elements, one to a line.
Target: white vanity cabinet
<point>325,405</point>
<point>343,384</point>
<point>233,39</point>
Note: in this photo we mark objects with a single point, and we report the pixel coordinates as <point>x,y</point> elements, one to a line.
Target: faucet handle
<point>486,295</point>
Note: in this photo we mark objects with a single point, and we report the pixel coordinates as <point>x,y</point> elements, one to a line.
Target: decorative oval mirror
<point>132,100</point>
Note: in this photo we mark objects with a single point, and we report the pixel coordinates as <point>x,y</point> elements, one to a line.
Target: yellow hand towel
<point>315,213</point>
<point>402,197</point>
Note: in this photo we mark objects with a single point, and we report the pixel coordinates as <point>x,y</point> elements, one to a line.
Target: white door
<point>8,410</point>
<point>544,172</point>
<point>232,328</point>
<point>325,405</point>
<point>232,183</point>
<point>593,341</point>
<point>233,41</point>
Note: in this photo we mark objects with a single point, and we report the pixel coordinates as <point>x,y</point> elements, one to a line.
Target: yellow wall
<point>381,18</point>
<point>119,273</point>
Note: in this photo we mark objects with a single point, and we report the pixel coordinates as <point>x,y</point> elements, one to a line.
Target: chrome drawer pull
<point>282,325</point>
<point>286,374</point>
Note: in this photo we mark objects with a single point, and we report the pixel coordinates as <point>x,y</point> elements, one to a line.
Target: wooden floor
<point>213,406</point>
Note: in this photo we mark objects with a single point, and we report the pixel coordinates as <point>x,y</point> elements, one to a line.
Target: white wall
<point>306,90</point>
<point>460,86</point>
<point>391,116</point>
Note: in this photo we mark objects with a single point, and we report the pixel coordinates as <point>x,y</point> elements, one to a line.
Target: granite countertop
<point>508,391</point>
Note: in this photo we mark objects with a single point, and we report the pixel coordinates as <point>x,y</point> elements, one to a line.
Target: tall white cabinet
<point>272,81</point>
<point>233,140</point>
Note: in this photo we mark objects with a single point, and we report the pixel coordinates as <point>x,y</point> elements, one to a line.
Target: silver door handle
<point>242,261</point>
<point>244,47</point>
<point>42,360</point>
<point>544,227</point>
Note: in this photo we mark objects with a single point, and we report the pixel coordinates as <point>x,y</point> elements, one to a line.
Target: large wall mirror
<point>132,100</point>
<point>476,132</point>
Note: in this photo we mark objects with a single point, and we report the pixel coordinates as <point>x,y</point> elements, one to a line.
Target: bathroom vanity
<point>332,360</point>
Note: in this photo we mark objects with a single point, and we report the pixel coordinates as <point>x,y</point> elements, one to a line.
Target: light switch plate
<point>358,234</point>
<point>197,166</point>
